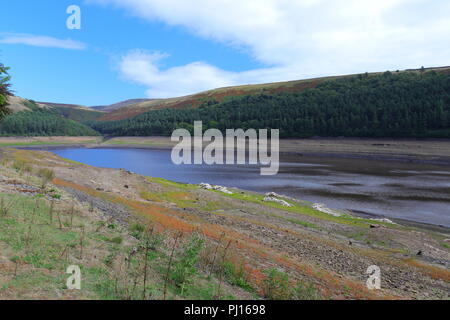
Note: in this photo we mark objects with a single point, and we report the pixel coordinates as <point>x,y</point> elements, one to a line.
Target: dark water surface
<point>416,192</point>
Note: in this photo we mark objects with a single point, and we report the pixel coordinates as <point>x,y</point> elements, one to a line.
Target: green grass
<point>306,210</point>
<point>43,252</point>
<point>42,143</point>
<point>172,184</point>
<point>130,142</point>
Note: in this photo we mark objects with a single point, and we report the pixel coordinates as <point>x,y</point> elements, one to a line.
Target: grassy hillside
<point>401,104</point>
<point>119,105</point>
<point>38,120</point>
<point>224,94</point>
<point>75,112</point>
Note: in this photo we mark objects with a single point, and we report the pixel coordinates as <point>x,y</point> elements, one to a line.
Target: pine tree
<point>4,90</point>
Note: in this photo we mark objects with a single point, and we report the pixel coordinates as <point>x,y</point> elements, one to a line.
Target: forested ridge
<point>42,122</point>
<point>403,104</point>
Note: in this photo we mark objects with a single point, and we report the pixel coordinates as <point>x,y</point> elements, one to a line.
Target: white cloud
<point>299,38</point>
<point>42,41</point>
<point>142,67</point>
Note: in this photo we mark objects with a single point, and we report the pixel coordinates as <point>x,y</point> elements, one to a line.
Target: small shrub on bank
<point>277,286</point>
<point>186,265</point>
<point>46,175</point>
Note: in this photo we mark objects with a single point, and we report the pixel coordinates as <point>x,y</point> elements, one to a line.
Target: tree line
<point>402,104</point>
<point>42,122</point>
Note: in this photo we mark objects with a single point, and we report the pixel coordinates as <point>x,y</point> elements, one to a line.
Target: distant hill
<point>74,112</point>
<point>390,104</point>
<point>29,118</point>
<point>223,94</point>
<point>119,105</point>
<point>17,104</point>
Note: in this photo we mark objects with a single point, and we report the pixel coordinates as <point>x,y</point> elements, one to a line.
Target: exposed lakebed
<point>415,192</point>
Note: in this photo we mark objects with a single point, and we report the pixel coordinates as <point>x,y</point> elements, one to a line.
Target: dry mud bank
<point>406,150</point>
<point>420,151</point>
<point>330,253</point>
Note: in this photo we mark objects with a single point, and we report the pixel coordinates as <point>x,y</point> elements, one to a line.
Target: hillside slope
<point>223,94</point>
<point>74,112</point>
<point>403,104</point>
<point>29,118</point>
<point>57,213</point>
<point>119,105</point>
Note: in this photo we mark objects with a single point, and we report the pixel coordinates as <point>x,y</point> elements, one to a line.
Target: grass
<point>278,286</point>
<point>43,247</point>
<point>306,210</point>
<point>43,143</point>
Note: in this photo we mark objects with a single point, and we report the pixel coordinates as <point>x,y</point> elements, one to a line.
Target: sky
<point>165,48</point>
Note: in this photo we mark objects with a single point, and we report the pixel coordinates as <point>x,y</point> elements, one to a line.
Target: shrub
<point>304,291</point>
<point>276,285</point>
<point>47,175</point>
<point>136,230</point>
<point>117,240</point>
<point>237,276</point>
<point>185,267</point>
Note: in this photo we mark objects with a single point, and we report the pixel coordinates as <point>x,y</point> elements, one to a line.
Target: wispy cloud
<point>41,41</point>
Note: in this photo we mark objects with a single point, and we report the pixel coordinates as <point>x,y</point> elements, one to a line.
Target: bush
<point>136,230</point>
<point>276,285</point>
<point>116,240</point>
<point>47,175</point>
<point>185,267</point>
<point>305,291</point>
<point>237,275</point>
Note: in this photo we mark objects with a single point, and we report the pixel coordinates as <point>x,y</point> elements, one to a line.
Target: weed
<point>46,175</point>
<point>276,285</point>
<point>237,276</point>
<point>185,266</point>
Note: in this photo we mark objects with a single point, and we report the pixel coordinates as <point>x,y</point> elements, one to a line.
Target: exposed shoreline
<point>404,222</point>
<point>333,252</point>
<point>430,151</point>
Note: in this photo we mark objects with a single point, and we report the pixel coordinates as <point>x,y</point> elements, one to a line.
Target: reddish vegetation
<point>196,100</point>
<point>245,248</point>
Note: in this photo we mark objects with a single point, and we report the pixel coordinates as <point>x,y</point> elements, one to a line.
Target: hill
<point>74,112</point>
<point>29,118</point>
<point>119,105</point>
<point>400,104</point>
<point>224,94</point>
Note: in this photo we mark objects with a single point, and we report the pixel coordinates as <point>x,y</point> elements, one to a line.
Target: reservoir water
<point>415,192</point>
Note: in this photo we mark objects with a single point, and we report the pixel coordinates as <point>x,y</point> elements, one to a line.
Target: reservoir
<point>415,192</point>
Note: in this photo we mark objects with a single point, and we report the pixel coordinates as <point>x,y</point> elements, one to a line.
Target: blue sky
<point>163,48</point>
<point>90,76</point>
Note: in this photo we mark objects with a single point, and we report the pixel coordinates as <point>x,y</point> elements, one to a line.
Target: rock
<point>126,186</point>
<point>207,186</point>
<point>322,208</point>
<point>419,253</point>
<point>374,226</point>
<point>279,201</point>
<point>384,220</point>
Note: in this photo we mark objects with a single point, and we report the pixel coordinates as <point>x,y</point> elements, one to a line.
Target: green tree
<point>4,90</point>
